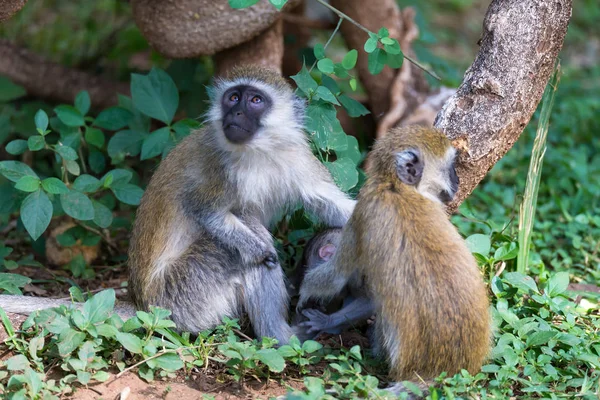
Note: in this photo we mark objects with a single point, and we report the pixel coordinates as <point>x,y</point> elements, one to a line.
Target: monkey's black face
<point>243,107</point>
<point>447,196</point>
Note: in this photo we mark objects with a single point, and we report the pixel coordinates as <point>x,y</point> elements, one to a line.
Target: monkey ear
<point>326,252</point>
<point>409,166</point>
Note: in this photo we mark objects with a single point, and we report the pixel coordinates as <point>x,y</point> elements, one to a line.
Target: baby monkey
<point>356,307</point>
<point>430,298</point>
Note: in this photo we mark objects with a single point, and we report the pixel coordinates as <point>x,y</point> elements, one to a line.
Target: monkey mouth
<point>234,126</point>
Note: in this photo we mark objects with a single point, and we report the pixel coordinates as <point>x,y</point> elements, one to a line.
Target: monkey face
<point>243,107</point>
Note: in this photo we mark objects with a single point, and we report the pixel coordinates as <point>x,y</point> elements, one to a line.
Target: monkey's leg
<point>266,302</point>
<point>353,312</point>
<point>323,283</point>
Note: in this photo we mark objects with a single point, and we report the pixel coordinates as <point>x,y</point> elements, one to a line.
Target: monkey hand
<point>271,260</point>
<point>317,321</point>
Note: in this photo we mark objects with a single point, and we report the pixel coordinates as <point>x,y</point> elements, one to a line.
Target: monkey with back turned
<point>429,296</point>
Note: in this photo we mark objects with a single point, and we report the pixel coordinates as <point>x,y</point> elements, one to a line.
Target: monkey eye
<point>234,98</point>
<point>256,99</point>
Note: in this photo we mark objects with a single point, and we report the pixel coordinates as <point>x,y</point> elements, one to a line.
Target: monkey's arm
<point>25,305</point>
<point>352,313</point>
<point>246,234</point>
<point>326,201</point>
<point>322,283</point>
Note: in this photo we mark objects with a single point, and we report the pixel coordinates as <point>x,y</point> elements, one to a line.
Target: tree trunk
<point>9,7</point>
<point>520,43</point>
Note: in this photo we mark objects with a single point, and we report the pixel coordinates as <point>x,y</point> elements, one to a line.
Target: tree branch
<point>9,7</point>
<point>48,80</point>
<point>501,90</point>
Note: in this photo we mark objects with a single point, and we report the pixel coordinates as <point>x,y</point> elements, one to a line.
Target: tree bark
<point>520,43</point>
<point>48,80</point>
<point>8,8</point>
<point>266,50</point>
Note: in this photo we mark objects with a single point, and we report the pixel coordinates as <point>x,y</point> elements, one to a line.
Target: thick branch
<point>48,80</point>
<point>9,7</point>
<point>501,90</point>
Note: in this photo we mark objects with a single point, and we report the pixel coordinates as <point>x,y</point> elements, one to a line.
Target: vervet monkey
<point>200,245</point>
<point>430,298</point>
<point>356,307</point>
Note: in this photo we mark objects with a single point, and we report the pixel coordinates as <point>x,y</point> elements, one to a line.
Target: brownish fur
<point>432,302</point>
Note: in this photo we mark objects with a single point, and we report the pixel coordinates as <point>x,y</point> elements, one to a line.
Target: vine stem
<point>358,25</point>
<point>337,28</point>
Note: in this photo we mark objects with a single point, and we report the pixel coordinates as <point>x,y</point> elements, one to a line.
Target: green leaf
<point>353,107</point>
<point>10,91</point>
<point>327,95</point>
<point>77,205</point>
<point>94,136</point>
<point>36,143</point>
<point>310,346</point>
<point>242,3</point>
<point>54,186</point>
<point>558,283</point>
<point>278,4</point>
<point>70,341</point>
<point>97,161</point>
<point>15,170</point>
<point>540,338</point>
<point>125,142</point>
<point>272,359</point>
<point>155,143</point>
<point>98,308</point>
<point>66,152</point>
<point>41,121</point>
<point>352,84</point>
<point>352,151</point>
<point>383,32</point>
<point>16,147</point>
<point>17,363</point>
<point>169,362</point>
<point>69,115</point>
<point>102,215</point>
<point>377,60</point>
<point>479,243</point>
<point>36,213</point>
<point>86,183</point>
<point>349,60</point>
<point>395,60</point>
<point>344,173</point>
<point>305,81</point>
<point>370,45</point>
<point>83,102</point>
<point>113,118</point>
<point>73,167</point>
<point>155,95</point>
<point>325,65</point>
<point>116,177</point>
<point>15,280</point>
<point>520,281</point>
<point>128,194</point>
<point>393,47</point>
<point>184,127</point>
<point>287,351</point>
<point>387,40</point>
<point>131,342</point>
<point>319,51</point>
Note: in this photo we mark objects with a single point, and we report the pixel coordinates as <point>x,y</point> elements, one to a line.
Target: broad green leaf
<point>353,107</point>
<point>94,136</point>
<point>41,121</point>
<point>327,95</point>
<point>540,338</point>
<point>86,183</point>
<point>125,142</point>
<point>377,60</point>
<point>36,213</point>
<point>479,243</point>
<point>352,83</point>
<point>155,95</point>
<point>83,102</point>
<point>558,283</point>
<point>272,359</point>
<point>169,362</point>
<point>116,177</point>
<point>349,60</point>
<point>10,91</point>
<point>70,341</point>
<point>287,351</point>
<point>520,281</point>
<point>14,279</point>
<point>344,173</point>
<point>352,151</point>
<point>113,118</point>
<point>17,363</point>
<point>15,170</point>
<point>36,143</point>
<point>102,215</point>
<point>278,4</point>
<point>393,47</point>
<point>305,81</point>
<point>242,3</point>
<point>69,115</point>
<point>387,40</point>
<point>383,32</point>
<point>322,123</point>
<point>77,205</point>
<point>325,65</point>
<point>507,251</point>
<point>66,152</point>
<point>98,308</point>
<point>97,161</point>
<point>370,45</point>
<point>16,147</point>
<point>155,143</point>
<point>319,51</point>
<point>54,186</point>
<point>131,342</point>
<point>73,167</point>
<point>395,60</point>
<point>184,127</point>
<point>310,346</point>
<point>128,194</point>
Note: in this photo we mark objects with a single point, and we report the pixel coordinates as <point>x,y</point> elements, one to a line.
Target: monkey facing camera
<point>200,244</point>
<point>427,290</point>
